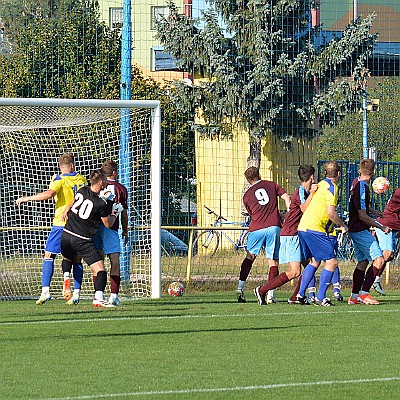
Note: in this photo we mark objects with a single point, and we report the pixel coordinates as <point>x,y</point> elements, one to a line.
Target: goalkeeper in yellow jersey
<point>62,188</point>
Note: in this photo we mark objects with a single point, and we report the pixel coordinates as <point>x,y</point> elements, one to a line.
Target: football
<point>176,289</point>
<point>380,185</point>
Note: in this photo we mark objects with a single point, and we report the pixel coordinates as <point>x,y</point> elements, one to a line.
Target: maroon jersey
<point>359,200</point>
<point>293,216</point>
<point>261,202</point>
<point>120,195</point>
<point>391,214</point>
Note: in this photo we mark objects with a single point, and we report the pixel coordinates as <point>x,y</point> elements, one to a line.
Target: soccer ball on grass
<point>176,289</point>
<point>380,185</point>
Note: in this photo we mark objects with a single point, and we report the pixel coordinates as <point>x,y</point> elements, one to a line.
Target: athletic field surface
<point>200,346</point>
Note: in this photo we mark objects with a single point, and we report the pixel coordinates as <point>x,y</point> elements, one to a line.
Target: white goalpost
<point>34,133</point>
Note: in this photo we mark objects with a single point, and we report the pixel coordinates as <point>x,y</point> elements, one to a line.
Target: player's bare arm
<point>286,198</point>
<point>371,222</point>
<point>334,217</point>
<point>48,194</point>
<point>314,188</point>
<point>124,224</point>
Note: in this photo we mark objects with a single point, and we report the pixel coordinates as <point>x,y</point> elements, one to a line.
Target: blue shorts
<point>320,245</point>
<point>107,239</point>
<point>365,245</point>
<point>268,238</point>
<point>386,242</point>
<point>291,250</point>
<point>53,242</point>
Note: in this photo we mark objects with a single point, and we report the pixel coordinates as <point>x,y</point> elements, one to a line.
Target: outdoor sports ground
<point>200,346</point>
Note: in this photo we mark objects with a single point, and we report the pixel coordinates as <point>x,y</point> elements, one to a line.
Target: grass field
<point>200,346</point>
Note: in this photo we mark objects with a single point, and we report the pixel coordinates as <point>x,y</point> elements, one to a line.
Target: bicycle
<point>210,240</point>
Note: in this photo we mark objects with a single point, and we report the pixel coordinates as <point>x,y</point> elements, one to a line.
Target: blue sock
<point>324,282</point>
<point>78,276</point>
<point>336,280</point>
<point>47,271</point>
<point>308,274</point>
<point>311,293</point>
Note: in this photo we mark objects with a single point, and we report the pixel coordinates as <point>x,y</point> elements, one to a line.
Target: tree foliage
<point>345,140</point>
<point>58,49</point>
<point>264,71</point>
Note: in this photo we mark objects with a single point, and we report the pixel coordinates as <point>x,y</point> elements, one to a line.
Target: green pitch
<point>200,346</point>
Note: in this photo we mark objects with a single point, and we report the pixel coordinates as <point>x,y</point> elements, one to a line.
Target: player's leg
<point>115,278</point>
<point>312,290</point>
<point>336,285</point>
<point>255,241</point>
<point>52,248</point>
<point>66,266</point>
<point>387,243</point>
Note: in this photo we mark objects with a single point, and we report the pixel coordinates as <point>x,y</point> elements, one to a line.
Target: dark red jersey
<point>293,216</point>
<point>119,195</point>
<point>261,202</point>
<point>391,214</point>
<point>359,200</point>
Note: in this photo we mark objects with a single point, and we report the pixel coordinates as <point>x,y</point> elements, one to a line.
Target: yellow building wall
<point>220,166</point>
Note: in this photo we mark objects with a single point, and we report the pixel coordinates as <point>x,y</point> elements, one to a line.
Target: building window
<point>162,61</point>
<point>116,17</point>
<point>157,13</point>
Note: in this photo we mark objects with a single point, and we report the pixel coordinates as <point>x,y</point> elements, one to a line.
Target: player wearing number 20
<point>261,202</point>
<point>87,211</point>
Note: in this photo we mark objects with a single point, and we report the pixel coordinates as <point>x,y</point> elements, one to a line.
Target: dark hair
<point>108,167</point>
<point>332,169</point>
<point>305,172</point>
<point>97,176</point>
<point>367,166</point>
<point>252,174</point>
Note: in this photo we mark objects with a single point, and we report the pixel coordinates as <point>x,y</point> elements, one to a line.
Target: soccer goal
<point>34,133</point>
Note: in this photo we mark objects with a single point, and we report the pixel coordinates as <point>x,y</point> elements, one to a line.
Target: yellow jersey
<point>65,186</point>
<point>315,216</point>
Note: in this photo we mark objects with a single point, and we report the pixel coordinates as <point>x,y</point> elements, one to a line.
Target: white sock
<point>66,275</point>
<point>46,290</point>
<point>99,295</point>
<point>241,285</point>
<point>377,279</point>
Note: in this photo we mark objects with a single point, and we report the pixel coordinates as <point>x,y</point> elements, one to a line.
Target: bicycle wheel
<point>242,242</point>
<point>206,243</point>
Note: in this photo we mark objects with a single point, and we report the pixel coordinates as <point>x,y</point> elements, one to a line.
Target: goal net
<point>34,133</point>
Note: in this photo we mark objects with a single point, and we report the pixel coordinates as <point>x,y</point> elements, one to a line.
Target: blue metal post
<point>125,155</point>
<point>365,126</point>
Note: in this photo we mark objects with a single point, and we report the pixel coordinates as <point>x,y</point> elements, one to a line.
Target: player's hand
<point>344,229</point>
<point>116,209</point>
<point>105,194</point>
<point>19,201</point>
<point>386,229</point>
<point>314,188</point>
<point>125,237</point>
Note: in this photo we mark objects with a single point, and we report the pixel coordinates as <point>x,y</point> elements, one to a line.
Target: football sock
<point>358,279</point>
<point>245,269</point>
<point>308,274</point>
<point>241,285</point>
<point>311,288</point>
<point>47,271</point>
<point>324,282</point>
<point>370,275</point>
<point>101,281</point>
<point>280,280</point>
<point>296,290</point>
<point>66,266</point>
<point>336,280</point>
<point>381,269</point>
<point>78,276</point>
<point>273,272</point>
<point>115,281</point>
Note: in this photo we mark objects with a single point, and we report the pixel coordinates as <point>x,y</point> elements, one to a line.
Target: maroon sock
<point>370,275</point>
<point>296,290</point>
<point>274,283</point>
<point>358,280</point>
<point>381,269</point>
<point>115,281</point>
<point>273,272</point>
<point>245,269</point>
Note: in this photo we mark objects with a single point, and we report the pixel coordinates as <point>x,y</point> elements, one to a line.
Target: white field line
<point>190,316</point>
<point>227,389</point>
